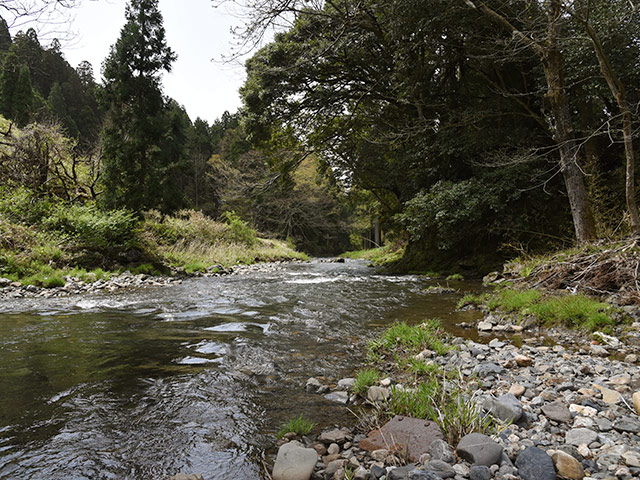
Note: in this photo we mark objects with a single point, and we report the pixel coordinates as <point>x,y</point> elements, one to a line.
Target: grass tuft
<point>364,379</point>
<point>298,425</point>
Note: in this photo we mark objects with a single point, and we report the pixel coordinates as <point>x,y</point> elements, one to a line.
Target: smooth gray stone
<point>477,448</point>
<point>480,472</point>
<point>442,469</point>
<point>487,368</point>
<point>579,436</point>
<point>557,411</point>
<point>534,464</point>
<point>294,462</point>
<point>506,407</point>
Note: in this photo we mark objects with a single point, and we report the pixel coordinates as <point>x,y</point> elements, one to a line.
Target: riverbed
<point>193,377</point>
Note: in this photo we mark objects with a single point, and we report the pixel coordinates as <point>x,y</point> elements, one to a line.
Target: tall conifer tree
<point>135,160</point>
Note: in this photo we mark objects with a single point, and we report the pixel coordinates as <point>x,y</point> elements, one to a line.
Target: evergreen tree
<point>137,124</point>
<point>5,36</point>
<point>23,97</point>
<point>8,80</point>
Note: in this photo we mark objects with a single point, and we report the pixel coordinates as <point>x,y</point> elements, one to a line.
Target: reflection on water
<point>193,377</point>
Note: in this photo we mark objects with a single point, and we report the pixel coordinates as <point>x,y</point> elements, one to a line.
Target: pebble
<point>575,420</point>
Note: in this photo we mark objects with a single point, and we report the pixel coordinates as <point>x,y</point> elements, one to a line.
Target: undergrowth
<point>44,239</point>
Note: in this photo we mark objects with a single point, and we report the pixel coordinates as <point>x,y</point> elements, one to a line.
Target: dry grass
<point>601,268</point>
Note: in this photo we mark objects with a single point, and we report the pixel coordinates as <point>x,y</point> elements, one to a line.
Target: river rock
<point>442,469</point>
<point>294,462</point>
<point>599,351</point>
<point>400,473</point>
<point>5,282</point>
<point>636,402</point>
<point>347,383</point>
<point>479,449</point>
<point>484,326</point>
<point>523,360</point>
<point>182,476</point>
<point>534,464</point>
<point>377,394</point>
<point>420,474</point>
<point>631,458</point>
<point>313,385</point>
<point>440,450</point>
<point>338,436</point>
<point>404,434</point>
<point>506,408</point>
<point>627,424</point>
<point>517,390</point>
<point>580,436</point>
<point>567,466</point>
<point>487,368</point>
<point>338,397</point>
<point>480,472</point>
<point>557,411</point>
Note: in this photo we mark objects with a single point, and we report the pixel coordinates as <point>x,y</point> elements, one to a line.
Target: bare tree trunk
<point>553,62</point>
<point>617,90</point>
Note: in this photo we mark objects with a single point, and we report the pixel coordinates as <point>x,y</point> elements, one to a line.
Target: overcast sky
<point>196,31</point>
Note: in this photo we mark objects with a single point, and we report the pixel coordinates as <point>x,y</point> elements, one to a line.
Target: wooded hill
<point>467,129</point>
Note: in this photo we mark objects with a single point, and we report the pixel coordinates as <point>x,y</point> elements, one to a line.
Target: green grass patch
<point>448,403</point>
<point>574,311</point>
<point>469,299</point>
<point>298,425</point>
<point>364,379</point>
<point>412,339</point>
<point>378,256</point>
<point>456,277</point>
<point>509,300</point>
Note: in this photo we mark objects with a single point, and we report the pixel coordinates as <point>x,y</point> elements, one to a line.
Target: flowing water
<point>192,378</point>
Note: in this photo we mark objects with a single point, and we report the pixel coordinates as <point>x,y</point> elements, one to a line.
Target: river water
<point>191,378</point>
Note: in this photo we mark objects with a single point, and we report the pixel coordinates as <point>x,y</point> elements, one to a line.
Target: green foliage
<point>578,311</point>
<point>195,267</point>
<point>469,299</point>
<point>298,425</point>
<point>364,379</point>
<point>573,311</point>
<point>422,368</point>
<point>146,269</point>
<point>456,277</point>
<point>412,339</point>
<point>446,402</point>
<point>380,256</point>
<point>143,140</point>
<point>513,300</point>
<point>91,227</point>
<point>239,230</point>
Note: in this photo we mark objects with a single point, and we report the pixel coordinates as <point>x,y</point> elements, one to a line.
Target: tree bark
<point>617,90</point>
<point>552,60</point>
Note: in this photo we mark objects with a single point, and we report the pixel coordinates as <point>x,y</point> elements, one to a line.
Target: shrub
<point>92,227</point>
<point>239,230</point>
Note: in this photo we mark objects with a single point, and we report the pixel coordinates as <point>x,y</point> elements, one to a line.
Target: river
<point>191,378</point>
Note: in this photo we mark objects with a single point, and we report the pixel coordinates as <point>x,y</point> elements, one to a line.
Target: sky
<point>196,31</point>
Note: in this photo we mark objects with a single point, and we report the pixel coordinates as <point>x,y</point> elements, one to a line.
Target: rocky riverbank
<point>559,412</point>
<point>125,280</point>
